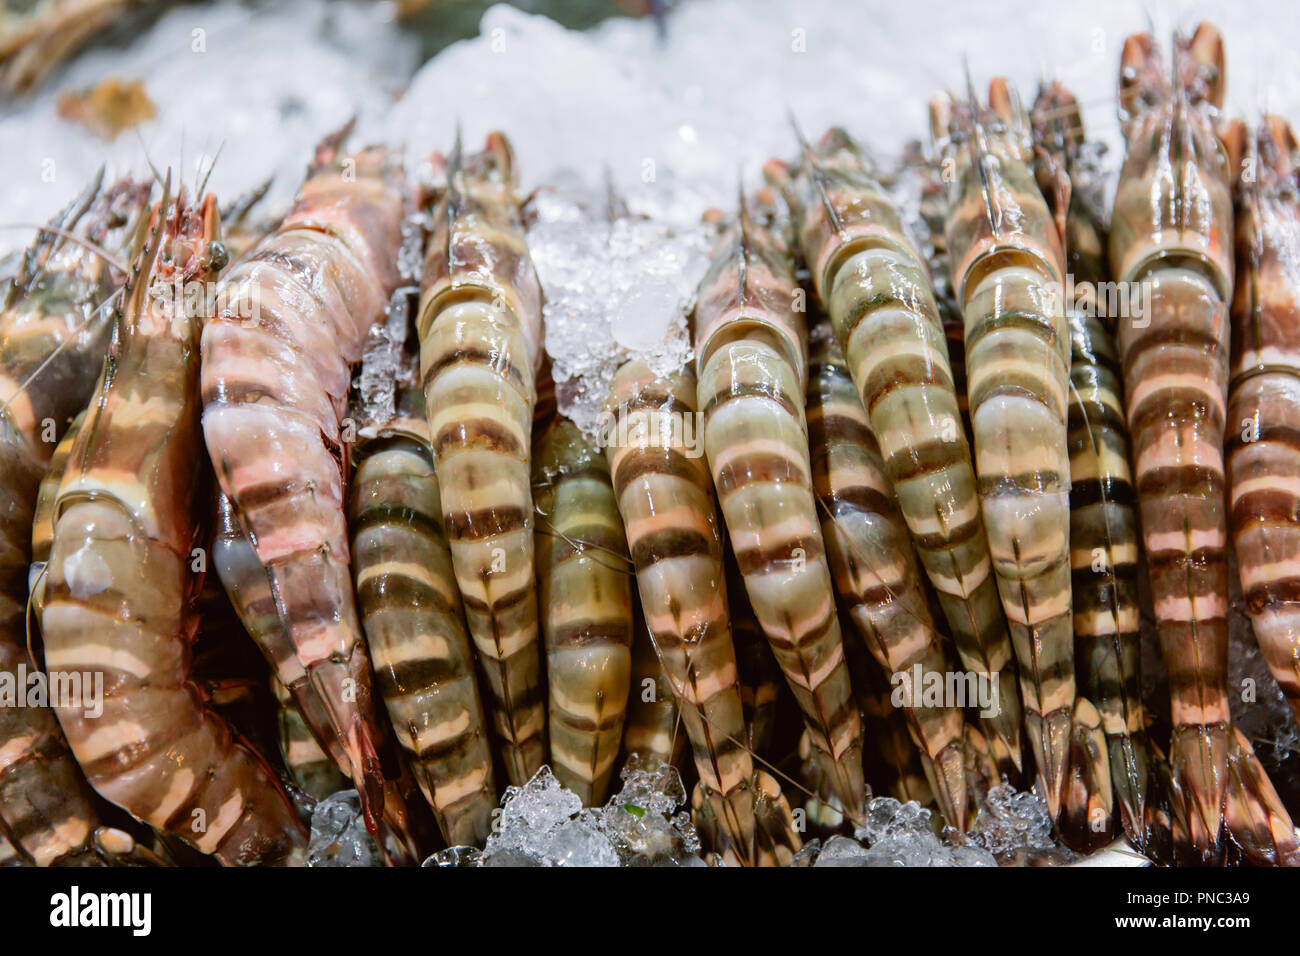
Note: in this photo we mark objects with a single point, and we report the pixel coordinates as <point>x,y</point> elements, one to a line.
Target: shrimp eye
<point>216,256</point>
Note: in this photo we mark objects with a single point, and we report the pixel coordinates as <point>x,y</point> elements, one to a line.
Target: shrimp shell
<point>1008,272</point>
<point>1169,230</point>
<point>414,624</point>
<point>1103,519</point>
<point>870,555</point>
<point>292,317</point>
<point>665,496</point>
<point>480,327</point>
<point>875,287</point>
<point>752,359</point>
<point>53,333</point>
<point>1264,401</point>
<point>584,583</point>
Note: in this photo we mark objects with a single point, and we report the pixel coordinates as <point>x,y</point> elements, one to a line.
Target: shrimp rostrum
<point>119,600</point>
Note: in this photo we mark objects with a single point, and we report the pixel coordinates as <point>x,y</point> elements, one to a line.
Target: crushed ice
<point>617,286</point>
<point>543,824</point>
<point>338,833</point>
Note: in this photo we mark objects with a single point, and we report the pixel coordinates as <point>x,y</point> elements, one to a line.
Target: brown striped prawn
<point>120,594</point>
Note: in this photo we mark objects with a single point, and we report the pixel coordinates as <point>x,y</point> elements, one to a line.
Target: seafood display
<point>882,515</point>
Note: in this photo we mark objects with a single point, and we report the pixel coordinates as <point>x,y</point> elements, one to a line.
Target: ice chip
<point>539,805</point>
<point>338,833</point>
<point>456,856</point>
<point>841,851</point>
<point>579,843</point>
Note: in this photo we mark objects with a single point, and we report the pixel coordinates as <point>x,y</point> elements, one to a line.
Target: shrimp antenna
<point>30,270</point>
<point>815,173</point>
<point>744,223</point>
<point>157,177</point>
<point>203,183</point>
<point>804,145</point>
<point>75,239</point>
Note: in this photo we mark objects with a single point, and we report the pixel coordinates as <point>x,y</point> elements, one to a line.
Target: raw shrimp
<point>751,355</point>
<point>480,328</point>
<point>53,334</point>
<point>870,554</point>
<point>292,317</point>
<point>666,499</point>
<point>1008,272</point>
<point>119,595</point>
<point>414,624</point>
<point>1103,519</point>
<point>584,583</point>
<point>1170,239</point>
<point>1264,398</point>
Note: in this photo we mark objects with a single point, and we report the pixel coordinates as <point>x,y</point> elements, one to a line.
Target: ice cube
<point>579,843</point>
<point>456,856</point>
<point>841,851</point>
<point>338,833</point>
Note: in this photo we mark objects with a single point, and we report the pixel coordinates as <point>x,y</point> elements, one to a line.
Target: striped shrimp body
<point>1264,401</point>
<point>665,496</point>
<point>752,361</point>
<point>1103,519</point>
<point>1008,272</point>
<point>52,341</point>
<point>584,583</point>
<point>480,331</point>
<point>292,317</point>
<point>873,283</point>
<point>119,595</point>
<point>1170,232</point>
<point>870,554</point>
<point>651,729</point>
<point>414,624</point>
